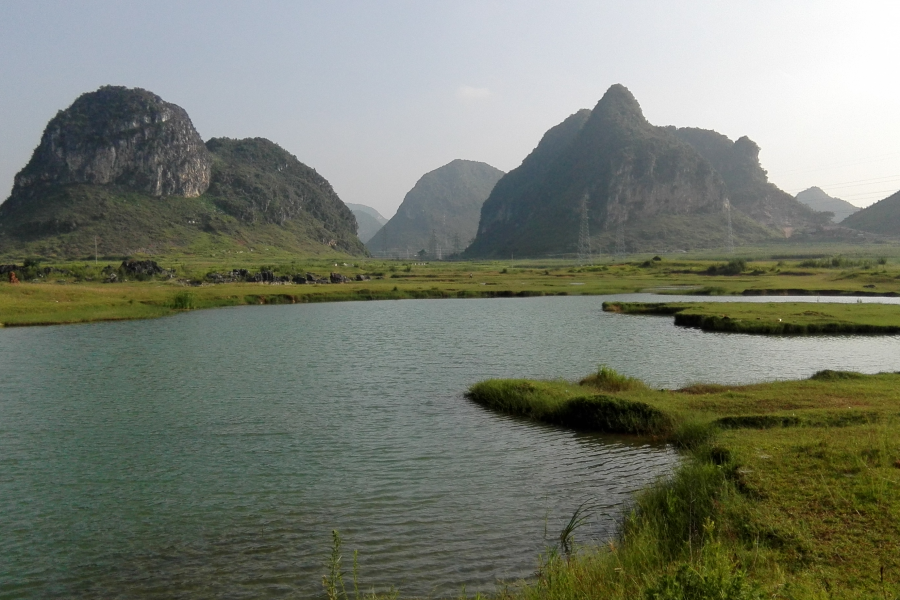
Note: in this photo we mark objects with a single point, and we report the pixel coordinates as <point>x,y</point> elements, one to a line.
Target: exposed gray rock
<point>127,137</point>
<point>141,267</point>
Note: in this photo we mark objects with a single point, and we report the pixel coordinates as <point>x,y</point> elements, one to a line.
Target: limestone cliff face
<point>625,169</point>
<point>130,138</point>
<point>749,188</point>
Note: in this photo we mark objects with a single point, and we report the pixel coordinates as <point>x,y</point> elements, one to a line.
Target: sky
<point>375,94</point>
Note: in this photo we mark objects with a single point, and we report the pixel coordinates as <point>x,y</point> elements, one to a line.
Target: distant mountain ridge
<point>642,187</point>
<point>817,199</point>
<point>128,170</point>
<point>882,218</point>
<point>440,213</point>
<point>368,219</point>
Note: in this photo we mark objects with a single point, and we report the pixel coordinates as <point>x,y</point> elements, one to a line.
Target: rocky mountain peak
<point>617,107</point>
<point>747,148</point>
<point>126,137</point>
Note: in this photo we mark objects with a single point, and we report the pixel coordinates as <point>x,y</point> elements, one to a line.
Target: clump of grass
<point>829,375</point>
<point>333,582</point>
<point>735,266</point>
<point>609,380</point>
<point>184,301</point>
<point>669,547</point>
<point>561,403</point>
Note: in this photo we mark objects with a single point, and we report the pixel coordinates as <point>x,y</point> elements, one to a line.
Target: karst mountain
<point>634,186</point>
<point>125,170</point>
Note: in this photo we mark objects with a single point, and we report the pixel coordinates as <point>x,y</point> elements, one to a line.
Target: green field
<point>71,292</point>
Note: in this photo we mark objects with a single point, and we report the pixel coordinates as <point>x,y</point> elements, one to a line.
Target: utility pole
<point>95,249</point>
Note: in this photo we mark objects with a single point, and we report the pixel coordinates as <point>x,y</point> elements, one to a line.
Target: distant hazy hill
<point>817,199</point>
<point>127,169</point>
<point>440,213</point>
<point>883,217</point>
<point>368,219</point>
<point>640,184</point>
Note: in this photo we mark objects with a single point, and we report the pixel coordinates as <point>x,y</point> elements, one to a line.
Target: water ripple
<point>211,454</point>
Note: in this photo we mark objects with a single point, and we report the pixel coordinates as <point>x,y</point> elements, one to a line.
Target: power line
<point>885,179</point>
<point>877,194</point>
<point>879,158</point>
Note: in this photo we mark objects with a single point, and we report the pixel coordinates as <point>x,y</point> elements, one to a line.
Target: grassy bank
<point>72,293</point>
<point>58,305</point>
<point>776,318</point>
<point>789,489</point>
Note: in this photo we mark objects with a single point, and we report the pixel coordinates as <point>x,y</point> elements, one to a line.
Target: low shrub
<point>184,301</point>
<point>609,380</point>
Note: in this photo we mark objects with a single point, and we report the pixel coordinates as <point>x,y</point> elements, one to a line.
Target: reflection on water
<point>211,454</point>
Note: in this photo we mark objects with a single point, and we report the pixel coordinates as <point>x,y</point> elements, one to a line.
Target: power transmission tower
<point>620,239</point>
<point>584,235</point>
<point>730,242</point>
<point>433,245</point>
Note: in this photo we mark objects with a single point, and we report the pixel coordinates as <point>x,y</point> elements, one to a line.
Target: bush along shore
<point>787,489</point>
<point>772,318</point>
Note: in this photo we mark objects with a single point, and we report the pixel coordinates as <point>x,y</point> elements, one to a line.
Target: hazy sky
<point>375,94</point>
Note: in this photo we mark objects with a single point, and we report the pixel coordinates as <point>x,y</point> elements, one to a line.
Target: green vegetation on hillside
<point>259,183</point>
<point>883,217</point>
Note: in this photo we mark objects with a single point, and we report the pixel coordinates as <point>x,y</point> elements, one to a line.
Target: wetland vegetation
<point>789,489</point>
<point>75,292</point>
<point>776,318</point>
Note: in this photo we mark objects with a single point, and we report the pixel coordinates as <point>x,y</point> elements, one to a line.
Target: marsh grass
<point>607,379</point>
<point>184,301</point>
<point>82,299</point>
<point>787,489</point>
<point>571,405</point>
<point>776,318</point>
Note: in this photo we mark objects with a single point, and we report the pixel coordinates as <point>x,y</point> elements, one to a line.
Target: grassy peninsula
<point>772,318</point>
<point>787,490</point>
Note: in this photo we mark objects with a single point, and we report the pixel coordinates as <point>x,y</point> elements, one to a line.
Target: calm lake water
<point>212,453</point>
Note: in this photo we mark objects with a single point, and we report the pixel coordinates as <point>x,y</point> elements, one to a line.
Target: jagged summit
<point>618,106</point>
<point>127,137</point>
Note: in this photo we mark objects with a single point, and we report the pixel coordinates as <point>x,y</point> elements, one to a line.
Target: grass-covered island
<point>788,489</point>
<point>772,318</point>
